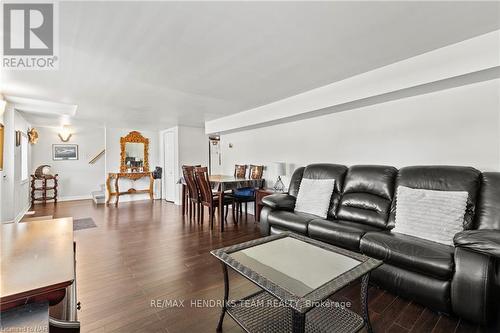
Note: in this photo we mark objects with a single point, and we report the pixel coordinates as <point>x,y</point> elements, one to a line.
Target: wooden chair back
<point>188,172</point>
<point>256,171</point>
<point>240,171</point>
<point>201,176</point>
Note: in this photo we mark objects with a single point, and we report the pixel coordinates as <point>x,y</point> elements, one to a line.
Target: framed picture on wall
<point>64,152</point>
<point>18,138</point>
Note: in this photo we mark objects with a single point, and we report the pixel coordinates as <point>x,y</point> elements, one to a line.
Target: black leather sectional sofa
<point>463,279</point>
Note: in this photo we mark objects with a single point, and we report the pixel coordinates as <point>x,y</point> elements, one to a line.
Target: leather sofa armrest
<point>485,241</point>
<point>281,201</point>
<point>475,286</point>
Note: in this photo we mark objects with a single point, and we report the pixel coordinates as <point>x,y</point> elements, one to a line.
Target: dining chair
<point>208,197</point>
<point>193,193</point>
<point>240,171</point>
<point>256,171</point>
<point>247,194</point>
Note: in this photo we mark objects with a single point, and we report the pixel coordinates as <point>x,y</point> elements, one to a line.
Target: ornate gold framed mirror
<point>134,153</point>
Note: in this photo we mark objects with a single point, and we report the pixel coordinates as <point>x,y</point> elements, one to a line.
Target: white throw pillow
<point>428,214</point>
<point>314,196</point>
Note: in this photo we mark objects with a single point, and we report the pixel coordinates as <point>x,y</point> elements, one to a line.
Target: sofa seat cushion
<point>345,234</point>
<point>412,253</point>
<point>277,231</point>
<point>292,221</point>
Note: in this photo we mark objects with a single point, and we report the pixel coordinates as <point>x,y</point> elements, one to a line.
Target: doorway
<point>215,158</point>
<point>170,165</point>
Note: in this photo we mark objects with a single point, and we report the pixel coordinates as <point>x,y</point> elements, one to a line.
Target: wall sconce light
<point>65,133</point>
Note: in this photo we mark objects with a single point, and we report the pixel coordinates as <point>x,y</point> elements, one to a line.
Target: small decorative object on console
<point>157,173</point>
<point>42,171</point>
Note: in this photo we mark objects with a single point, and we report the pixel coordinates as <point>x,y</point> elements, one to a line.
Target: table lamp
<point>279,170</point>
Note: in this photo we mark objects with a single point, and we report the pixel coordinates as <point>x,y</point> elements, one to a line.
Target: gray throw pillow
<point>314,196</point>
<point>433,215</point>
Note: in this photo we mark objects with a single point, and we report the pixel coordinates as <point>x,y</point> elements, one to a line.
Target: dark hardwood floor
<point>143,252</point>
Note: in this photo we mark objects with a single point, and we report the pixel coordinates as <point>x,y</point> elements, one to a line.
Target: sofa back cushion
<point>328,171</point>
<point>488,205</point>
<point>441,178</point>
<point>367,195</point>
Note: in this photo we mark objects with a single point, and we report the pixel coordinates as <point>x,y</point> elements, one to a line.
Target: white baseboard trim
<point>69,198</point>
<point>21,214</point>
<point>75,197</point>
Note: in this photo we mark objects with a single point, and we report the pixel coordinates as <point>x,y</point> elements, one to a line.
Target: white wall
<point>2,109</point>
<point>8,166</point>
<point>459,126</point>
<point>15,193</point>
<point>77,178</point>
<point>193,146</point>
<point>21,188</point>
<point>112,163</point>
<point>191,149</point>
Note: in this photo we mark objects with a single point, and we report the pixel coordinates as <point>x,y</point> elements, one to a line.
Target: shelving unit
<point>41,188</point>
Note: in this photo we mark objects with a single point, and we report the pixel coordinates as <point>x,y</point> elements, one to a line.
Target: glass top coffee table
<point>297,275</point>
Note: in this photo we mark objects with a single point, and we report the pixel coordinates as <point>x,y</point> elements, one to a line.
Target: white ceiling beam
<point>41,107</point>
<point>470,56</point>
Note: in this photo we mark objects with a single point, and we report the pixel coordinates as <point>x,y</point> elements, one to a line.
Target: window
<point>24,157</point>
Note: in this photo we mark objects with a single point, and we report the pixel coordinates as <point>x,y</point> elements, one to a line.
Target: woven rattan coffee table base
<point>263,318</point>
<point>287,311</point>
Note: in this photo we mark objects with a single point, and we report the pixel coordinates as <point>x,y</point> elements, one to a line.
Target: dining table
<point>221,185</point>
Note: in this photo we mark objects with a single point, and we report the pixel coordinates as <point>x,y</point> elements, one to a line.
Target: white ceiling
<point>157,64</point>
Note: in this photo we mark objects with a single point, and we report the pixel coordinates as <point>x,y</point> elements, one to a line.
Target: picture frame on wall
<point>63,152</point>
<point>18,138</point>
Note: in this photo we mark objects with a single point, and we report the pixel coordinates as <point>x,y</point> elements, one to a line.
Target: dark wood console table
<point>129,175</point>
<point>38,270</point>
<point>37,262</point>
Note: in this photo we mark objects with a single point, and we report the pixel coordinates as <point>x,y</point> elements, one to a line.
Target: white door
<point>215,158</point>
<point>170,181</point>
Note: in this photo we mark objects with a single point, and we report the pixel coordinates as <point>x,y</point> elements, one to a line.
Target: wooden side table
<point>42,188</point>
<point>259,195</point>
